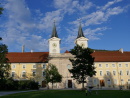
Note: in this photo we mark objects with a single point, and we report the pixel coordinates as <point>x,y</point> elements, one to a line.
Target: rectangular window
<point>23,74</point>
<point>24,66</point>
<point>44,73</point>
<point>44,66</point>
<point>114,73</point>
<point>13,66</point>
<point>34,73</point>
<point>13,74</point>
<point>126,65</point>
<point>129,81</point>
<point>113,65</point>
<point>100,65</point>
<point>122,81</point>
<point>100,73</point>
<point>119,65</point>
<point>121,73</point>
<point>107,73</point>
<point>109,82</point>
<point>34,66</point>
<point>127,72</point>
<point>95,82</point>
<point>115,81</point>
<point>107,65</point>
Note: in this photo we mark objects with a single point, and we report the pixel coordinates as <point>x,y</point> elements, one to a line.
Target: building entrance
<point>102,83</point>
<point>43,83</point>
<point>69,83</point>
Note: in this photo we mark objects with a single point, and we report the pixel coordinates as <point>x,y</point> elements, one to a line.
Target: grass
<point>70,94</point>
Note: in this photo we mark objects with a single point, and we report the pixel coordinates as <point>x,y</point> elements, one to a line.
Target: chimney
<point>121,50</point>
<point>23,48</point>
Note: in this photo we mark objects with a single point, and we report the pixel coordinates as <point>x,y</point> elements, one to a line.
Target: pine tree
<point>82,64</point>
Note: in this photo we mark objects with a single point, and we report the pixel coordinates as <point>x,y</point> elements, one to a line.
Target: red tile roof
<point>67,51</point>
<point>27,57</point>
<point>111,56</point>
<point>39,57</point>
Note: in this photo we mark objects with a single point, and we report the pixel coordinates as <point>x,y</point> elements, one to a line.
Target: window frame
<point>13,75</point>
<point>119,65</point>
<point>24,66</point>
<point>34,67</point>
<point>100,65</point>
<point>13,66</point>
<point>23,74</point>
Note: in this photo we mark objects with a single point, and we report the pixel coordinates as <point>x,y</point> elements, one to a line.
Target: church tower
<point>81,39</point>
<point>54,41</point>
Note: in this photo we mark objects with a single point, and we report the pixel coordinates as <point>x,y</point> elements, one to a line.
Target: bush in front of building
<point>10,84</point>
<point>28,84</point>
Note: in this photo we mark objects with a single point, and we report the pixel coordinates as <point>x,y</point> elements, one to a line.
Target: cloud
<point>20,26</point>
<point>72,6</point>
<point>110,3</point>
<point>93,34</point>
<point>47,21</point>
<point>101,15</point>
<point>32,27</point>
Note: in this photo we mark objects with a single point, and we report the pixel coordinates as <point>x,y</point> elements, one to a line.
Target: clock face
<point>54,44</point>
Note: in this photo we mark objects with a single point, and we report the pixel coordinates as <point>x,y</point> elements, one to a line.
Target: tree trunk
<point>52,84</point>
<point>83,84</point>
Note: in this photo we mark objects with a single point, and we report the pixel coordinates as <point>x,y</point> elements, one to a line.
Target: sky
<point>106,23</point>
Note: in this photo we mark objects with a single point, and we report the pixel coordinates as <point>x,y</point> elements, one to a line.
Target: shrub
<point>11,84</point>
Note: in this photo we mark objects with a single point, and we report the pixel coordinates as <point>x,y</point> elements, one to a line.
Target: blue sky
<point>106,23</point>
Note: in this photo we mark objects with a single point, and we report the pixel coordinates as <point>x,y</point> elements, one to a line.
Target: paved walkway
<point>2,93</point>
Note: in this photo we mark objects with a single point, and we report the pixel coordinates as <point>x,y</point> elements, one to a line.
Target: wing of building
<point>112,67</point>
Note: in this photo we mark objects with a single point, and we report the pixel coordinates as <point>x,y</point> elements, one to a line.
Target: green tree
<point>52,75</point>
<point>4,65</point>
<point>82,64</point>
<point>1,9</point>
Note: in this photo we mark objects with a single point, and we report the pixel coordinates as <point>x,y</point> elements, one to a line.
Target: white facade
<point>54,45</point>
<point>82,41</point>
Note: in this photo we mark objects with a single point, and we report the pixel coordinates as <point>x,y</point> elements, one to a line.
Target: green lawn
<point>70,94</point>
